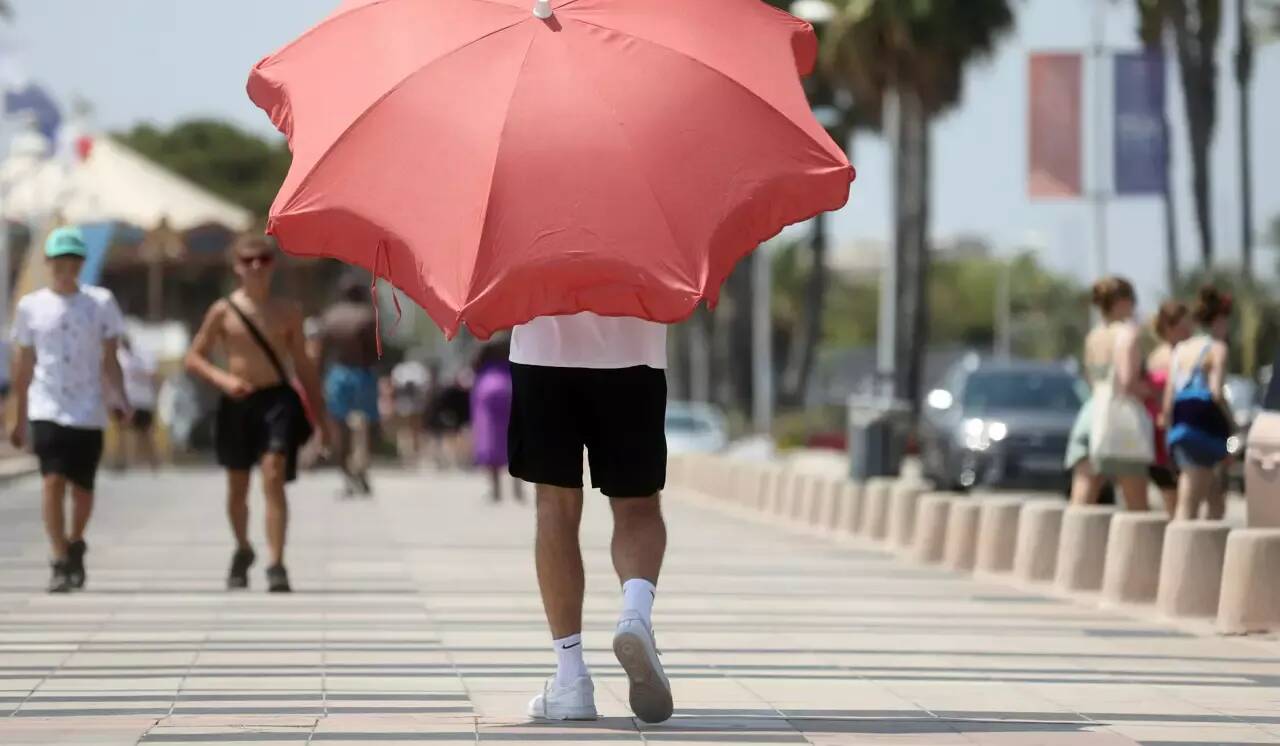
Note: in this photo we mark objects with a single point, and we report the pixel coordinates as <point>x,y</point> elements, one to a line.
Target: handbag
<point>300,427</point>
<point>1122,431</point>
<point>1199,425</point>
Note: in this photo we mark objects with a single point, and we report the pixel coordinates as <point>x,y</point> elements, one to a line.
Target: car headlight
<point>1233,445</point>
<point>980,434</point>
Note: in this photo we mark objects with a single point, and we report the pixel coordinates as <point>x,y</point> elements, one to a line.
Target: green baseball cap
<point>66,242</point>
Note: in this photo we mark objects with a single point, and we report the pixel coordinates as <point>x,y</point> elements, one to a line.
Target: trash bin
<point>877,437</point>
<point>1262,472</point>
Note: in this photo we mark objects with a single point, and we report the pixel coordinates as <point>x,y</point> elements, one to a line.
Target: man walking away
<point>261,419</point>
<point>64,358</point>
<point>599,383</point>
<point>348,340</point>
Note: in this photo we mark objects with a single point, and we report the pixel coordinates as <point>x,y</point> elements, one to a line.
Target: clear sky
<point>163,60</point>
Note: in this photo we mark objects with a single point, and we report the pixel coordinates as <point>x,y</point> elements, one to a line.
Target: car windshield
<point>1241,392</point>
<point>683,422</point>
<point>1022,390</point>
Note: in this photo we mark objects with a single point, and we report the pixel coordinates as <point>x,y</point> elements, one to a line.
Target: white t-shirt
<point>67,333</point>
<point>586,340</point>
<point>139,378</point>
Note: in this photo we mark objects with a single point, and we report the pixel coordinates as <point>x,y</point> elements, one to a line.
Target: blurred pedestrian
<point>448,419</point>
<point>1172,327</point>
<point>261,419</point>
<point>491,415</point>
<point>349,348</point>
<point>141,385</point>
<point>64,366</point>
<point>596,383</point>
<point>1112,359</point>
<point>1197,410</point>
<point>410,381</point>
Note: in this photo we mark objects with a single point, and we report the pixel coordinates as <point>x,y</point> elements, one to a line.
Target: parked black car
<point>1001,423</point>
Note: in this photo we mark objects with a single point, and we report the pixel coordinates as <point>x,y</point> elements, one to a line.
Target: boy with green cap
<point>64,357</point>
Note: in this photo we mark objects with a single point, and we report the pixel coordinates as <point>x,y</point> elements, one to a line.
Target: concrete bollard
<point>797,494</point>
<point>822,502</point>
<point>904,500</point>
<point>769,476</point>
<point>1134,547</point>
<point>778,498</point>
<point>960,550</point>
<point>930,540</point>
<point>1250,599</point>
<point>1191,568</point>
<point>849,507</point>
<point>875,509</point>
<point>1082,547</point>
<point>1036,556</point>
<point>997,534</point>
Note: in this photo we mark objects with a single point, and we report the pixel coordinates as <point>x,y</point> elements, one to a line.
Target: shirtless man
<point>348,341</point>
<point>261,420</point>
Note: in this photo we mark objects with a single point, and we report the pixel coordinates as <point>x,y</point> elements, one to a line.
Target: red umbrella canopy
<point>617,156</point>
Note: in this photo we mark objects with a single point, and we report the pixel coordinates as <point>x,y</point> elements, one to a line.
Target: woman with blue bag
<point>1196,408</point>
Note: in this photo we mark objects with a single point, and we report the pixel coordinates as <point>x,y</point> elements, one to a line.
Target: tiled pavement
<point>417,621</point>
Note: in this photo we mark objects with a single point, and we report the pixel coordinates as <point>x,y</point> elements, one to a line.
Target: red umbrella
<point>617,156</point>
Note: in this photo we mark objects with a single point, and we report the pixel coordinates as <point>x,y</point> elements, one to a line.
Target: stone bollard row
<point>1185,568</point>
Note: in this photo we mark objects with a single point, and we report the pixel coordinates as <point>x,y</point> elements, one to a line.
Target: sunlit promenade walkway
<point>417,621</point>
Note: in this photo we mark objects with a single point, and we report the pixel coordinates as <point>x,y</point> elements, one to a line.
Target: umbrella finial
<point>542,9</point>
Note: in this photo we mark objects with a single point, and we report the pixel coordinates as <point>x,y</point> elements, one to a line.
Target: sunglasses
<point>256,260</point>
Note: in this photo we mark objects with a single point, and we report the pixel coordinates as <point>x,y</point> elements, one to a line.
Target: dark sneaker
<point>75,564</point>
<point>278,579</point>
<point>363,486</point>
<point>241,561</point>
<point>60,582</point>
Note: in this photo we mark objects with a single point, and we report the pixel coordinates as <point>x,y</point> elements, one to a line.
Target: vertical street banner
<point>1055,120</point>
<point>1141,139</point>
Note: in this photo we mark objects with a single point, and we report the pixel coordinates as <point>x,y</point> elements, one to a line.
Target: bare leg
<point>1133,490</point>
<point>639,538</point>
<point>495,483</point>
<point>55,522</point>
<point>358,453</point>
<point>559,558</point>
<point>1170,496</point>
<point>273,472</point>
<point>81,510</point>
<point>1086,486</point>
<point>1217,495</point>
<point>146,441</point>
<point>1193,487</point>
<point>238,506</point>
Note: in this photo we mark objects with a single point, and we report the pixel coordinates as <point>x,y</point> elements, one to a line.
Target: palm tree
<point>1266,26</point>
<point>904,63</point>
<point>1195,26</point>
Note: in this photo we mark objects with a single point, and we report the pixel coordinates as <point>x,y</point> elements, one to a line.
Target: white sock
<point>638,595</point>
<point>569,662</point>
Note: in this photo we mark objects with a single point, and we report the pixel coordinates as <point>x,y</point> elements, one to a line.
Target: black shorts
<point>1163,477</point>
<point>618,416</point>
<point>142,419</point>
<point>263,422</point>
<point>70,452</point>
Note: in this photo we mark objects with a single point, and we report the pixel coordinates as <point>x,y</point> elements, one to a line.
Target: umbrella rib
<point>306,180</point>
<point>622,131</point>
<point>493,172</point>
<point>718,73</point>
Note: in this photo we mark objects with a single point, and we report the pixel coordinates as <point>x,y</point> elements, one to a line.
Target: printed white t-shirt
<point>586,340</point>
<point>67,333</point>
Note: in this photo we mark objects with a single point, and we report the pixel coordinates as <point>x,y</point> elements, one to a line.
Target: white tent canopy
<point>113,183</point>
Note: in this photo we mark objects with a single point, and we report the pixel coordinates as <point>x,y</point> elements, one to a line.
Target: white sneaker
<point>637,651</point>
<point>577,701</point>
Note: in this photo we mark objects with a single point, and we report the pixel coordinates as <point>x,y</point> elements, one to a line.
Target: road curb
<point>12,469</point>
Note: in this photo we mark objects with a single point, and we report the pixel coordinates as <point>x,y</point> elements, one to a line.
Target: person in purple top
<point>491,413</point>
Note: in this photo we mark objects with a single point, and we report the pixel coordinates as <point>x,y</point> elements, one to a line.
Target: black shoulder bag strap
<point>261,340</point>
